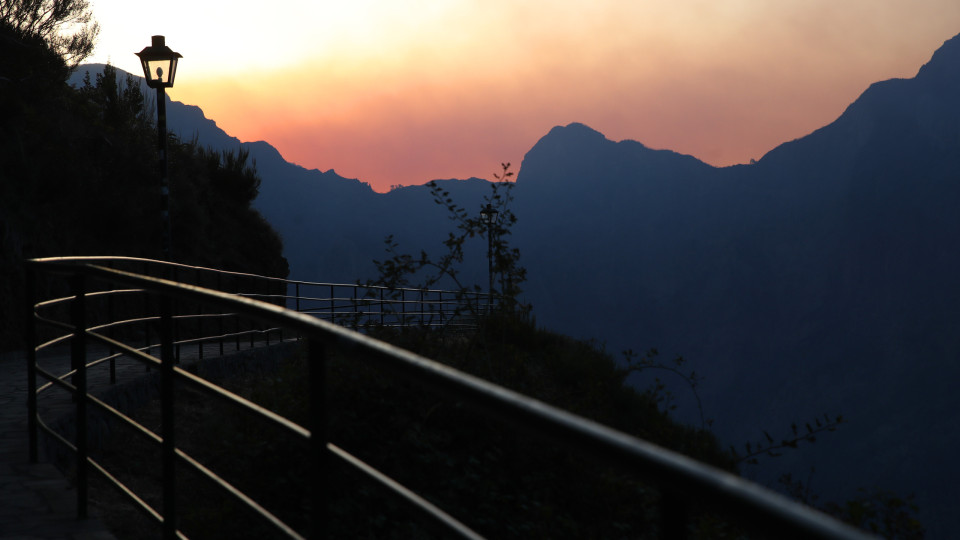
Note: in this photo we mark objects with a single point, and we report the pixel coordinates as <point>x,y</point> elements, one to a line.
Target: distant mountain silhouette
<point>312,210</point>
<point>824,278</point>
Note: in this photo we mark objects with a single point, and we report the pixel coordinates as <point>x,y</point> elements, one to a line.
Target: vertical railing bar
<point>283,299</point>
<point>146,313</point>
<point>220,325</point>
<point>200,334</point>
<point>333,307</point>
<point>356,310</point>
<point>236,290</point>
<point>316,366</point>
<point>78,359</point>
<point>253,323</point>
<point>673,516</point>
<point>168,447</point>
<point>296,290</point>
<point>176,308</point>
<point>111,317</point>
<point>31,300</point>
<point>266,298</point>
<point>296,293</point>
<point>381,307</point>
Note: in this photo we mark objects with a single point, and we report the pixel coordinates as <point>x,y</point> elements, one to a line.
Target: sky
<point>401,93</point>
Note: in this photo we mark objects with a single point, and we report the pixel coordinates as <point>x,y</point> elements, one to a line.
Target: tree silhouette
<point>401,268</point>
<point>66,26</point>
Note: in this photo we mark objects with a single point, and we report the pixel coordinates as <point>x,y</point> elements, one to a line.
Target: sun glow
<point>406,92</point>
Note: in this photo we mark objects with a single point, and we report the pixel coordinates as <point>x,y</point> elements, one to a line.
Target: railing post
<point>333,305</point>
<point>236,290</point>
<point>31,337</point>
<point>146,314</point>
<point>78,359</point>
<point>297,295</point>
<point>176,308</point>
<point>319,484</point>
<point>356,310</point>
<point>200,334</point>
<point>111,317</point>
<point>296,299</point>
<point>168,447</point>
<point>253,323</point>
<point>673,516</point>
<point>220,325</point>
<point>281,301</point>
<point>381,307</point>
<point>261,287</point>
<point>265,298</point>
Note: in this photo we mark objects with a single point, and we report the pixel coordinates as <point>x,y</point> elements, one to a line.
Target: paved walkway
<point>36,500</point>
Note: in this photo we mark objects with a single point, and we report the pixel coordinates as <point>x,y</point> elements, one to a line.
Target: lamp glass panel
<point>160,71</point>
<point>172,71</point>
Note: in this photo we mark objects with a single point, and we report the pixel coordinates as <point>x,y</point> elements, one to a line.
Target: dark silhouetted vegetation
<point>876,511</point>
<point>79,174</point>
<point>65,27</point>
<point>503,482</point>
<point>425,271</point>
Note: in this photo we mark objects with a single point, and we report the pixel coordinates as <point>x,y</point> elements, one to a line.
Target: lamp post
<point>489,216</point>
<point>159,64</point>
<point>159,69</point>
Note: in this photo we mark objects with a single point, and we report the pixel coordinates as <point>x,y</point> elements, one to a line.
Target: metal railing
<point>356,306</point>
<point>683,482</point>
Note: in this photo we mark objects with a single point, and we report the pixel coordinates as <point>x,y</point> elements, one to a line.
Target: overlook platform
<point>37,502</point>
<point>174,314</point>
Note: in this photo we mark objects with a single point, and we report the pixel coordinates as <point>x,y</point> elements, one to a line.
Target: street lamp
<point>159,64</point>
<point>489,216</point>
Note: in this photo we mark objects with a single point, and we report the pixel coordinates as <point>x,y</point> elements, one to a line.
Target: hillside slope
<point>820,279</point>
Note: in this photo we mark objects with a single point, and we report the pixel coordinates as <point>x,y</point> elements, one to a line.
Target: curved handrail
<point>683,478</point>
<point>180,266</point>
<point>364,304</point>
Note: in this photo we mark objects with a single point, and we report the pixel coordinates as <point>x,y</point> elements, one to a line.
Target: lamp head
<point>489,214</point>
<point>159,63</point>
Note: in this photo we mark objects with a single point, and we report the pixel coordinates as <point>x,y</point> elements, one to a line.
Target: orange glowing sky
<point>406,92</point>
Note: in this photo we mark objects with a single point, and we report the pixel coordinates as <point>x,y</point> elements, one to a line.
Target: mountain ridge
<point>819,279</point>
<point>830,255</point>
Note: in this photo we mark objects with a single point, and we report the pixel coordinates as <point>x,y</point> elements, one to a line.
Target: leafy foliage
<point>502,331</point>
<point>424,271</point>
<point>660,391</point>
<point>881,512</point>
<point>875,510</point>
<point>772,447</point>
<point>504,482</point>
<point>79,176</point>
<point>65,26</point>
